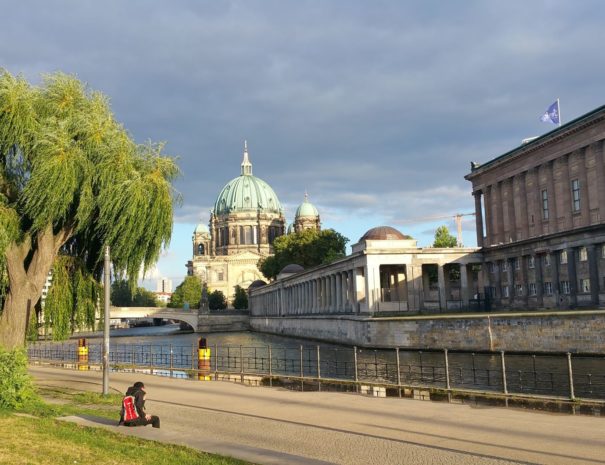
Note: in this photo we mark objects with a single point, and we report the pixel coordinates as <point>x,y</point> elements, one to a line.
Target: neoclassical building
<point>386,273</point>
<point>540,217</point>
<point>246,219</point>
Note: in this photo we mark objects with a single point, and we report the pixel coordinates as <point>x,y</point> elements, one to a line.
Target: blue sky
<point>375,108</point>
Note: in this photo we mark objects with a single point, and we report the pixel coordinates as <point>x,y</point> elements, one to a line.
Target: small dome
<point>292,268</point>
<point>201,228</point>
<point>306,209</point>
<point>383,233</point>
<point>256,284</point>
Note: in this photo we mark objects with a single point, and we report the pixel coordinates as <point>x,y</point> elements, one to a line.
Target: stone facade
<point>567,331</point>
<point>540,217</point>
<point>246,219</point>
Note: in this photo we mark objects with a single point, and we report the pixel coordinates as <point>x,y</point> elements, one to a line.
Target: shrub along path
<point>276,426</point>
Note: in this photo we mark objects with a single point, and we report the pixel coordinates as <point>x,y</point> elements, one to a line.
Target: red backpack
<point>129,408</point>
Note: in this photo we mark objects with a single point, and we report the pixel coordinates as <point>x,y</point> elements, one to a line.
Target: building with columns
<point>246,219</point>
<point>540,218</point>
<point>386,273</point>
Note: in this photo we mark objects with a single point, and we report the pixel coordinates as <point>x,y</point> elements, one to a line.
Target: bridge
<point>204,322</point>
<point>188,316</point>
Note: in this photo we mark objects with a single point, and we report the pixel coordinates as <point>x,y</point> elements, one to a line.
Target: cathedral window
<point>200,249</point>
<point>248,236</point>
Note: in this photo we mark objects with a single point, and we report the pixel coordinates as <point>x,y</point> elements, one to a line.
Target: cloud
<point>375,109</point>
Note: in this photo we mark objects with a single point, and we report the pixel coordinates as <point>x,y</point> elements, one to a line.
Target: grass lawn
<point>42,439</point>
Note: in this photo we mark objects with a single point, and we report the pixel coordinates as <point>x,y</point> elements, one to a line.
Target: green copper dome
<point>306,209</point>
<point>201,228</point>
<point>247,193</point>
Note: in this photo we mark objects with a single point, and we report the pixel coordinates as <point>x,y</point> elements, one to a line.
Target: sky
<point>376,109</point>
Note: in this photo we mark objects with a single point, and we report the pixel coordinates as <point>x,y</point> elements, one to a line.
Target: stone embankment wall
<point>581,331</point>
<point>212,323</point>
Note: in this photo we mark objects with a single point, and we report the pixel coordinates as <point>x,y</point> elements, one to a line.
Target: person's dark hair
<point>139,385</point>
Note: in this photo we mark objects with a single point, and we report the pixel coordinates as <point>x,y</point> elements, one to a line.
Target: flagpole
<point>559,108</point>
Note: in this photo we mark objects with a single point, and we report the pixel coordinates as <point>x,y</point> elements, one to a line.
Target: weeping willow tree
<point>72,181</point>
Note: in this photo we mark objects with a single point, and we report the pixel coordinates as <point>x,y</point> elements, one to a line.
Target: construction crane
<point>457,218</point>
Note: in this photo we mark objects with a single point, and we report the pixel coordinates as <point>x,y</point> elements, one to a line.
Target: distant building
<point>163,297</point>
<point>164,285</point>
<point>246,219</point>
<point>540,217</point>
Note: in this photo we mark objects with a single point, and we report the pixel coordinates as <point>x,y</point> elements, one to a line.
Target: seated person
<point>133,408</point>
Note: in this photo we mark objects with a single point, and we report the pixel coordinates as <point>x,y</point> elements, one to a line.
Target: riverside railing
<point>510,375</point>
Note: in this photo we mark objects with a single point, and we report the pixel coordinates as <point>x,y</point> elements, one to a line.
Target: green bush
<point>16,387</point>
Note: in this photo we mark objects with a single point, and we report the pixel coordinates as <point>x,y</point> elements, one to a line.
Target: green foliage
<point>308,248</point>
<point>72,299</point>
<point>65,162</point>
<point>443,238</point>
<point>122,295</point>
<point>240,300</point>
<point>217,300</point>
<point>190,291</point>
<point>16,388</point>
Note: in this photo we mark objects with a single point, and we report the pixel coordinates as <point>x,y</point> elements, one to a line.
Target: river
<point>252,352</point>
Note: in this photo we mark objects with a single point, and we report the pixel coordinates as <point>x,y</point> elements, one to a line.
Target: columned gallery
<point>386,273</point>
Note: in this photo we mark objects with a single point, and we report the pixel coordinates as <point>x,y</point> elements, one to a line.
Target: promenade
<point>277,426</point>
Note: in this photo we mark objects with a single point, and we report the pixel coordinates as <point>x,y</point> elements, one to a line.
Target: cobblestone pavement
<point>276,426</point>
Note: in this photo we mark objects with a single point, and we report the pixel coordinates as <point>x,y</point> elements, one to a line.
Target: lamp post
<point>107,285</point>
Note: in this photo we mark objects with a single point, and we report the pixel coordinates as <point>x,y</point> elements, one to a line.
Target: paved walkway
<point>276,426</point>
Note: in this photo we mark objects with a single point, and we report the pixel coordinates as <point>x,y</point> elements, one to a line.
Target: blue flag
<point>552,114</point>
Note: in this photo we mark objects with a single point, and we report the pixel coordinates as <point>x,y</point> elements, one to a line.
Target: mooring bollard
<point>82,355</point>
<point>203,360</point>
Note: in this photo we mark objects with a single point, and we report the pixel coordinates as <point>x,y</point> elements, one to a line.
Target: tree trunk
<point>26,284</point>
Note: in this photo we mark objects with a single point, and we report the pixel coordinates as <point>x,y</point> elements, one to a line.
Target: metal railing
<point>557,377</point>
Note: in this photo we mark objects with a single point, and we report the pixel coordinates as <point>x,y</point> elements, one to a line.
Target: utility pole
<point>107,285</point>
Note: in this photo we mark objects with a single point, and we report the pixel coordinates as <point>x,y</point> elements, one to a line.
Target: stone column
<point>572,276</point>
<point>338,293</point>
<point>487,206</point>
<point>499,216</point>
<point>353,291</point>
<point>441,284</point>
<point>539,280</point>
<point>552,199</point>
<point>511,281</point>
<point>333,293</point>
<point>478,218</point>
<point>524,280</point>
<point>584,192</point>
<point>593,273</point>
<point>599,153</point>
<point>464,287</point>
<point>556,289</point>
<point>521,206</point>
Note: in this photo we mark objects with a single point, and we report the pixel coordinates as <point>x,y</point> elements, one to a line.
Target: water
<point>263,354</point>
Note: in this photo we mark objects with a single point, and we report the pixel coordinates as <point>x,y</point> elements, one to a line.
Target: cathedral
<point>246,219</point>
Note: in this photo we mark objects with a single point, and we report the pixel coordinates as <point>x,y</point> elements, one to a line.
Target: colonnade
<point>331,293</point>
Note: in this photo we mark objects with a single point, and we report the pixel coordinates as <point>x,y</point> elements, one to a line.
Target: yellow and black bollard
<point>203,360</point>
<point>82,354</point>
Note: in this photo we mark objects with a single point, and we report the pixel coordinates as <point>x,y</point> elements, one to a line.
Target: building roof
<point>306,209</point>
<point>247,193</point>
<point>534,143</point>
<point>292,268</point>
<point>383,233</point>
<point>256,284</point>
